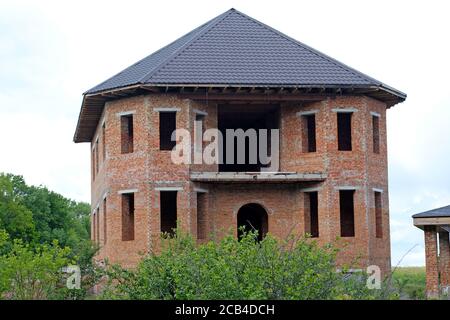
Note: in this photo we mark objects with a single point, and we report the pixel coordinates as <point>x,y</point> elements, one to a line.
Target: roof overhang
<point>422,222</point>
<point>93,103</point>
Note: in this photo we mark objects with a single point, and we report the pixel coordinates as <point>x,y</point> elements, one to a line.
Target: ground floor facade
<point>128,222</point>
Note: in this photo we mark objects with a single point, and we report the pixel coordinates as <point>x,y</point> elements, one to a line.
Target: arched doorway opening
<point>253,216</point>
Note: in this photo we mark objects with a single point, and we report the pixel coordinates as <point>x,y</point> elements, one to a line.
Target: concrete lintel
<point>169,188</point>
<point>201,190</point>
<point>125,113</point>
<point>127,191</point>
<point>167,109</point>
<point>344,110</point>
<point>96,209</point>
<point>343,188</point>
<point>314,189</point>
<point>375,114</point>
<point>307,113</point>
<point>200,112</point>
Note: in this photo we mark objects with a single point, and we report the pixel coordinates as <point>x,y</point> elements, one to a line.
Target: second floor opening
<point>245,117</point>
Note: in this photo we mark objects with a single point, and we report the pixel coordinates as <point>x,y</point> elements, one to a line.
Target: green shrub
<point>410,281</point>
<point>33,273</point>
<point>236,269</point>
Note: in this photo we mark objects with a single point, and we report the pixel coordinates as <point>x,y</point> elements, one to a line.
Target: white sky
<point>53,51</point>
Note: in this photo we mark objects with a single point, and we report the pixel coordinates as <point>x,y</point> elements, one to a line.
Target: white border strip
<point>169,188</point>
<point>125,113</point>
<point>200,190</point>
<point>167,109</point>
<point>200,112</point>
<point>96,209</point>
<point>347,110</point>
<point>375,114</point>
<point>127,191</point>
<point>343,188</point>
<point>315,189</point>
<point>307,113</point>
<point>378,190</point>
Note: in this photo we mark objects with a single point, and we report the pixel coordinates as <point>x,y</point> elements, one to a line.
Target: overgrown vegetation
<point>41,232</point>
<point>238,269</point>
<point>410,281</point>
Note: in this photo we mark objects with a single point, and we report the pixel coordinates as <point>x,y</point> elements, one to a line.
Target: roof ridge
<point>212,23</point>
<point>312,50</point>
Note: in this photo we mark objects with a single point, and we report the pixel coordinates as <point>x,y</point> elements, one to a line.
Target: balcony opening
<point>376,133</point>
<point>378,215</point>
<point>252,217</point>
<point>126,124</point>
<point>246,116</point>
<point>168,211</point>
<point>105,222</point>
<point>309,133</point>
<point>312,214</point>
<point>93,163</point>
<point>127,216</point>
<point>96,157</point>
<point>167,125</point>
<point>97,225</point>
<point>103,142</point>
<point>347,213</point>
<point>94,227</point>
<point>201,216</point>
<point>344,121</point>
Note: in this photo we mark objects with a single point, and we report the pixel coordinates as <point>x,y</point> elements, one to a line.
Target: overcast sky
<point>53,51</point>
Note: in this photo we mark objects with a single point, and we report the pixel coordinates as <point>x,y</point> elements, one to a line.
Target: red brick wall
<point>431,257</point>
<point>148,168</point>
<point>444,258</point>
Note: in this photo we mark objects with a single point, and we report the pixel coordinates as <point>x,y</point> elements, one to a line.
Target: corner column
<point>444,260</point>
<point>431,260</point>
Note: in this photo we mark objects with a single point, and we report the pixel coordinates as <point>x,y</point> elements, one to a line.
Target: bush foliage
<point>236,269</point>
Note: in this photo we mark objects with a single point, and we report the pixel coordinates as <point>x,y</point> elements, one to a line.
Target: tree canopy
<point>37,215</point>
<point>41,232</point>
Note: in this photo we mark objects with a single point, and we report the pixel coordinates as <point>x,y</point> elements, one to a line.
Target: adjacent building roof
<point>231,50</point>
<point>435,213</point>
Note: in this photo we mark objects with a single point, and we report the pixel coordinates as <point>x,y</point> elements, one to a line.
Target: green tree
<point>35,217</point>
<point>15,218</point>
<point>38,215</point>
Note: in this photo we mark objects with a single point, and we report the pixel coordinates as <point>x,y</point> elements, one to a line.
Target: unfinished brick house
<point>436,226</point>
<point>235,72</point>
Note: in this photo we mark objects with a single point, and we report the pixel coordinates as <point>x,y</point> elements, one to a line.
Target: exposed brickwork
<point>148,169</point>
<point>444,259</point>
<point>431,257</point>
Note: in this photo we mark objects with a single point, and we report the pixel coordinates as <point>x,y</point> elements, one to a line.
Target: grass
<point>410,281</point>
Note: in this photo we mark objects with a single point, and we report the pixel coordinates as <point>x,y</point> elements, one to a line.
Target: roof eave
<point>97,99</point>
